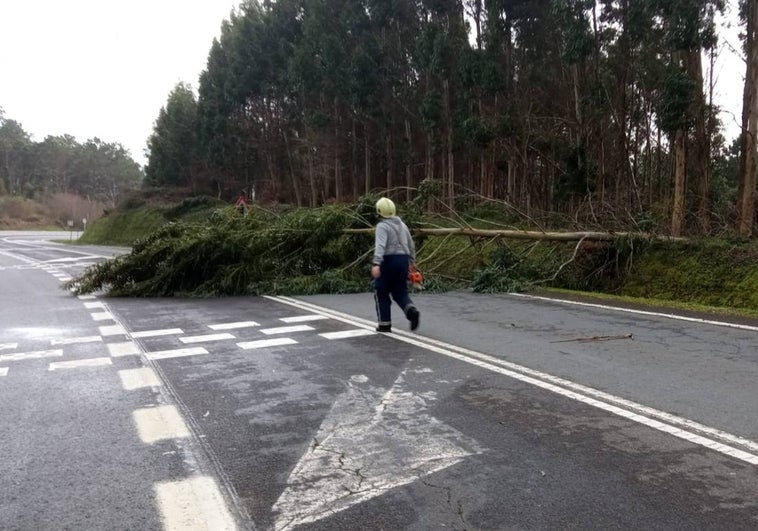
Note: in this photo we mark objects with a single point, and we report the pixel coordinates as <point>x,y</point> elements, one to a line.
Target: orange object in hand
<point>415,277</point>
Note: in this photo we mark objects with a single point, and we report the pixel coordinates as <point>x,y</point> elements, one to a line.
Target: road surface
<point>502,412</point>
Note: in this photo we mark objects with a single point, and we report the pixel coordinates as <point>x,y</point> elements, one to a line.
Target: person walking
<point>394,252</point>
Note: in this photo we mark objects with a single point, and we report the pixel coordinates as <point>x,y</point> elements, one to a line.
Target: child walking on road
<point>394,252</point>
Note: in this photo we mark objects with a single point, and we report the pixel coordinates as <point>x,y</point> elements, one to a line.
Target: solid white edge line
<point>639,312</point>
<point>643,414</point>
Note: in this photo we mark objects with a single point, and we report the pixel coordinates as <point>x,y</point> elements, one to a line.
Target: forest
<point>97,171</point>
<point>578,113</point>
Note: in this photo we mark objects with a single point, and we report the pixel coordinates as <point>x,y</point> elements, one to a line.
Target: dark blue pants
<point>392,281</point>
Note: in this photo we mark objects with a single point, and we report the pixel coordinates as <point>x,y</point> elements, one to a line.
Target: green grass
<point>653,303</point>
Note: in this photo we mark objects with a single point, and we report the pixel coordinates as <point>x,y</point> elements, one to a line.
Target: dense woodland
<point>599,112</point>
<point>99,171</point>
<point>581,113</point>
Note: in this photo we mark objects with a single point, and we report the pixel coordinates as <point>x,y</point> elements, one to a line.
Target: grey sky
<point>101,68</point>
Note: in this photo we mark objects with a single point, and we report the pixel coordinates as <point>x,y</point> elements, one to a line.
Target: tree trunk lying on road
<point>533,235</point>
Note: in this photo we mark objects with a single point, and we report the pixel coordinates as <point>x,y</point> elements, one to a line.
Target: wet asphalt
<point>373,431</point>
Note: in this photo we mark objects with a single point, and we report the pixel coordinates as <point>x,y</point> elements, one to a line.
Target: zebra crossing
<point>169,343</point>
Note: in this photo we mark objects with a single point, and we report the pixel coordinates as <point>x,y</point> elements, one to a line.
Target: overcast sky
<point>101,68</point>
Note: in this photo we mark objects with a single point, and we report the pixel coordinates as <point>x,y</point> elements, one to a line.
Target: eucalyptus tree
<point>172,147</point>
<point>54,163</point>
<point>749,143</point>
<point>14,160</point>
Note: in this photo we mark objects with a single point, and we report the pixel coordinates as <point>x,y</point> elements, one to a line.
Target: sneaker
<point>413,317</point>
<point>384,328</point>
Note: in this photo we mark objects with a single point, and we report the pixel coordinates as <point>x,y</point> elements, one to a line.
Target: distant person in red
<point>241,204</point>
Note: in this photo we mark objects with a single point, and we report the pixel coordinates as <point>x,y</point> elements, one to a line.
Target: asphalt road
<point>502,412</point>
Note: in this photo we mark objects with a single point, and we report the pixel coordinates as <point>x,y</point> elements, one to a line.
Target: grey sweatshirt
<point>393,237</point>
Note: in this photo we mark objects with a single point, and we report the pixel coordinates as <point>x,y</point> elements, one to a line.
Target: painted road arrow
<point>372,440</point>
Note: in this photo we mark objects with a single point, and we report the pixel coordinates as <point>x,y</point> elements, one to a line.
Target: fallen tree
<point>533,235</point>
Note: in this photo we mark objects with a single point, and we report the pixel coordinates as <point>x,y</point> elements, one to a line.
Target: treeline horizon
<point>599,112</point>
<point>100,171</point>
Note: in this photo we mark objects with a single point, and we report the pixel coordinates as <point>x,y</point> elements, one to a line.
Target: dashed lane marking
<point>127,348</point>
<point>94,305</point>
<point>4,346</point>
<point>132,379</point>
<point>193,504</point>
<point>175,353</point>
<point>303,318</point>
<point>205,338</point>
<point>112,330</point>
<point>263,343</point>
<point>86,297</point>
<point>159,423</point>
<point>76,340</point>
<point>157,333</point>
<point>3,371</point>
<point>233,326</point>
<point>286,329</point>
<point>348,333</point>
<point>40,354</point>
<point>76,364</point>
<point>102,316</point>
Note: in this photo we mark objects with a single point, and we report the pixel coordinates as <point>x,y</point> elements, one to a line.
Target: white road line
<point>207,337</point>
<point>86,297</point>
<point>640,312</point>
<point>635,412</point>
<point>41,354</point>
<point>76,340</point>
<point>127,348</point>
<point>102,316</point>
<point>4,346</point>
<point>286,329</point>
<point>112,330</point>
<point>176,353</point>
<point>75,364</point>
<point>233,326</point>
<point>132,379</point>
<point>348,333</point>
<point>94,305</point>
<point>159,423</point>
<point>64,278</point>
<point>263,343</point>
<point>3,371</point>
<point>156,333</point>
<point>303,318</point>
<point>194,504</point>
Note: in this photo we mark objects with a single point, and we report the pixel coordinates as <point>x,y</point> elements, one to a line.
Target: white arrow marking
<point>370,442</point>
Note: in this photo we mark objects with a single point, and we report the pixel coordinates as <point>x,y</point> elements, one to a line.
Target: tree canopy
<point>99,170</point>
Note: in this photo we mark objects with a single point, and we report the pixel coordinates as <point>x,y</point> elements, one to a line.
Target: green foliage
<point>295,251</point>
<point>173,144</point>
<point>713,273</point>
<point>98,170</point>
